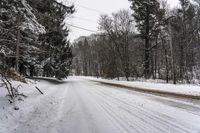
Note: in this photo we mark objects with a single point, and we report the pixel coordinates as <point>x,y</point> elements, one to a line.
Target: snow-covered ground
<point>184,89</point>
<point>82,106</point>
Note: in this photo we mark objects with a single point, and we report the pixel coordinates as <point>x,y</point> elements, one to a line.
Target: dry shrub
<point>13,74</point>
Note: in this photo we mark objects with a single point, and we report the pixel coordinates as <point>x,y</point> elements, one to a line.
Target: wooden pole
<point>17,50</point>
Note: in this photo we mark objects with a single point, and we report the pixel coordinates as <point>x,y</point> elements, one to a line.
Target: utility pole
<point>17,50</point>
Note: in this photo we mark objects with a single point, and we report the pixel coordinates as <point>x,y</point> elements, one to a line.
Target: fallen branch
<point>12,89</point>
<point>6,86</point>
<point>21,94</point>
<point>39,90</point>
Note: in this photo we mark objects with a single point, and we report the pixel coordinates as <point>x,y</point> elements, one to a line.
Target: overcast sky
<point>88,12</point>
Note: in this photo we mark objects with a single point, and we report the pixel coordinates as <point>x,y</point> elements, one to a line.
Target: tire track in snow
<point>149,115</point>
<point>114,116</point>
<point>87,114</point>
<point>126,121</point>
<point>152,116</point>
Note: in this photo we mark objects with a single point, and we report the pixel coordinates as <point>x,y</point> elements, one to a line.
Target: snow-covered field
<point>82,106</point>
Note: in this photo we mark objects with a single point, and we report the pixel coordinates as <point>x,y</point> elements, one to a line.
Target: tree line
<point>149,40</point>
<point>34,38</point>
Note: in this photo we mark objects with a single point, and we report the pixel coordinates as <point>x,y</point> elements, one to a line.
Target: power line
<point>82,28</point>
<point>85,19</point>
<point>91,9</point>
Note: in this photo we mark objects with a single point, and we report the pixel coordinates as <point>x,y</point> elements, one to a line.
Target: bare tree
<point>119,28</point>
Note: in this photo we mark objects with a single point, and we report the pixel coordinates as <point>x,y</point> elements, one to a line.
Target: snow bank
<point>10,119</point>
<point>182,89</point>
<point>22,87</point>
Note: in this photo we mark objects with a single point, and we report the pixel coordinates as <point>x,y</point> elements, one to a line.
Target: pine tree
<point>37,28</point>
<point>18,27</point>
<point>57,53</point>
<point>145,14</point>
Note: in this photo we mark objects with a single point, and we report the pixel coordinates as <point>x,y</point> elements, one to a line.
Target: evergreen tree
<point>38,30</point>
<point>18,27</point>
<point>57,53</point>
<point>145,14</point>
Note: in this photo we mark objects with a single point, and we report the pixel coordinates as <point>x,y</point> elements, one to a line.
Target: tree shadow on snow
<point>50,80</point>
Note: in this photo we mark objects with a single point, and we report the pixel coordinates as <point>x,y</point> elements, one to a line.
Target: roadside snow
<point>10,119</point>
<point>78,105</point>
<point>185,89</point>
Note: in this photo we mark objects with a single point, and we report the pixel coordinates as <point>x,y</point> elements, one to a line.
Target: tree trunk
<point>172,54</point>
<point>147,57</point>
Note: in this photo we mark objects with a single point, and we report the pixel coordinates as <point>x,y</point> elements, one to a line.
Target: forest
<point>34,39</point>
<point>147,41</point>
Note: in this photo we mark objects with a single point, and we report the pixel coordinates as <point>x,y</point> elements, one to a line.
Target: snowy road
<point>83,106</point>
